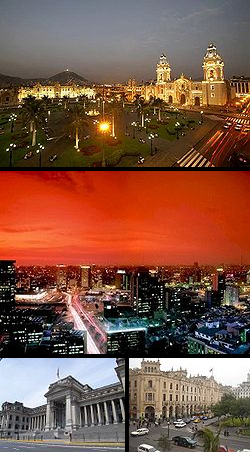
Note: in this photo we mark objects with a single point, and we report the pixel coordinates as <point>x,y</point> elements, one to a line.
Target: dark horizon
<point>108,42</point>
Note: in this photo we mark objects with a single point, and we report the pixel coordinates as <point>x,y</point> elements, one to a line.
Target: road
<point>156,432</point>
<point>218,148</point>
<point>79,325</point>
<point>11,446</point>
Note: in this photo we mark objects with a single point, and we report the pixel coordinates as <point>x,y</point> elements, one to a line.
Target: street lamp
<point>168,428</point>
<point>12,119</point>
<point>103,127</point>
<point>177,125</point>
<point>202,116</point>
<point>151,137</point>
<point>39,151</point>
<point>134,125</point>
<point>10,150</point>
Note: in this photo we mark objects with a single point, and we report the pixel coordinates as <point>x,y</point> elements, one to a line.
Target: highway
<point>79,325</point>
<point>224,147</point>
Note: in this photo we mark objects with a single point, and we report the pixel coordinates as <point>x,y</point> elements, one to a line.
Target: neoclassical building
<point>154,393</point>
<point>243,390</point>
<point>55,91</point>
<point>70,406</point>
<point>212,90</point>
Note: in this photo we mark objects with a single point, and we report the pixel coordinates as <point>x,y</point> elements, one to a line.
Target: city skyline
<point>108,42</point>
<point>153,218</point>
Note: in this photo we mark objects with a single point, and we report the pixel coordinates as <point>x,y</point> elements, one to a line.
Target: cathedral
<point>211,91</point>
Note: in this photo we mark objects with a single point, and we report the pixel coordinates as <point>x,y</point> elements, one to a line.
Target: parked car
<point>140,432</point>
<point>146,448</point>
<point>53,158</point>
<point>197,420</point>
<point>238,127</point>
<point>184,441</point>
<point>226,449</point>
<point>177,421</point>
<point>28,155</point>
<point>180,424</point>
<point>141,160</point>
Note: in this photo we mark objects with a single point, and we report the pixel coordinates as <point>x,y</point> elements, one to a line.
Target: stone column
<point>75,415</point>
<point>48,417</point>
<point>92,415</point>
<point>122,410</point>
<point>99,414</point>
<point>114,411</point>
<point>68,412</point>
<point>106,413</point>
<point>85,417</point>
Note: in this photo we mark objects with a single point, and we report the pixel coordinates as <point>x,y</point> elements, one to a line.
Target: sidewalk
<point>62,441</point>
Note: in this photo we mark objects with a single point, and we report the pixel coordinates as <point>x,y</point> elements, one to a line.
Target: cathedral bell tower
<point>214,87</point>
<point>213,65</point>
<point>163,70</point>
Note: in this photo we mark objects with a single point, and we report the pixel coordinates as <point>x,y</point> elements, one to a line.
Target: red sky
<point>146,217</point>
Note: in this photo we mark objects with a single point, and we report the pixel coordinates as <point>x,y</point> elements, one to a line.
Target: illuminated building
<point>231,295</point>
<point>147,294</point>
<point>61,276</point>
<point>125,336</point>
<point>241,86</point>
<point>213,90</point>
<point>56,91</point>
<point>122,280</point>
<point>7,286</point>
<point>85,276</point>
<point>219,284</point>
<point>154,393</point>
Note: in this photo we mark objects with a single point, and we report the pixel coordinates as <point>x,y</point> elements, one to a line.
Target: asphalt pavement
<point>11,446</point>
<point>236,443</point>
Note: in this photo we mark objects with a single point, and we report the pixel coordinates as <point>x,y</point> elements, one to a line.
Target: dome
<point>212,52</point>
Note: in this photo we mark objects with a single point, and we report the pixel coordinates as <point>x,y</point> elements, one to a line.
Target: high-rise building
<point>122,280</point>
<point>219,283</point>
<point>61,276</point>
<point>231,295</point>
<point>147,294</point>
<point>126,339</point>
<point>85,276</point>
<point>7,286</point>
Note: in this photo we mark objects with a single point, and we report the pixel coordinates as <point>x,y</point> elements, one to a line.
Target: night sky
<point>110,217</point>
<point>113,40</point>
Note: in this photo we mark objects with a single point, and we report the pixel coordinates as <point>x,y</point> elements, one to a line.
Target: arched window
<point>152,369</point>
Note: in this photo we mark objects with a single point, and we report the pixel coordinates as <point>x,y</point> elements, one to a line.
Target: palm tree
<point>211,441</point>
<point>158,103</point>
<point>47,101</point>
<point>33,112</point>
<point>65,100</point>
<point>123,98</point>
<point>114,108</point>
<point>164,443</point>
<point>78,122</point>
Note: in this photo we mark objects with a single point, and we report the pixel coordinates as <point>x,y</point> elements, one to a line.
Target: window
<point>171,398</point>
<point>176,387</point>
<point>212,87</point>
<point>17,418</point>
<point>183,388</point>
<point>164,397</point>
<point>171,385</point>
<point>135,385</point>
<point>150,383</point>
<point>212,95</point>
<point>183,398</point>
<point>164,385</point>
<point>176,398</point>
<point>135,396</point>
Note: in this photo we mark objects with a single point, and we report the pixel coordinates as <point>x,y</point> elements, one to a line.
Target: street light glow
<point>104,126</point>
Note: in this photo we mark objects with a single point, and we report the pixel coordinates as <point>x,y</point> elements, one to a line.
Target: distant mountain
<point>66,77</point>
<point>7,80</point>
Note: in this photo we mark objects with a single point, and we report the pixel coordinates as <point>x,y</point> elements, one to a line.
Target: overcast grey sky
<point>27,380</point>
<point>228,371</point>
<point>113,40</point>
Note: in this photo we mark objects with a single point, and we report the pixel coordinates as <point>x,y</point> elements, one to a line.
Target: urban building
<point>122,280</point>
<point>85,276</point>
<point>231,295</point>
<point>125,336</point>
<point>241,86</point>
<point>7,286</point>
<point>61,276</point>
<point>148,294</point>
<point>243,390</point>
<point>71,407</point>
<point>56,91</point>
<point>219,284</point>
<point>211,91</point>
<point>154,393</point>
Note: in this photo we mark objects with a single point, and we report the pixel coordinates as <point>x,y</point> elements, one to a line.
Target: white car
<point>238,127</point>
<point>180,424</point>
<point>177,422</point>
<point>146,448</point>
<point>140,432</point>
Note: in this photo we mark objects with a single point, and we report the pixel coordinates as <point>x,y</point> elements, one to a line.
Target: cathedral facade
<point>211,91</point>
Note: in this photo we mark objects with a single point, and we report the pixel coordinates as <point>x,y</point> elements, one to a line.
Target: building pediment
<point>66,384</point>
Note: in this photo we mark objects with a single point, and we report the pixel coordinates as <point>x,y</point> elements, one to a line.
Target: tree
<point>225,406</point>
<point>78,122</point>
<point>33,112</point>
<point>164,443</point>
<point>158,103</point>
<point>65,100</point>
<point>211,441</point>
<point>123,98</point>
<point>47,102</point>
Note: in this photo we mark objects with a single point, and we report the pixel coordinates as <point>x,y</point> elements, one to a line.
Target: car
<point>142,141</point>
<point>184,441</point>
<point>205,418</point>
<point>247,129</point>
<point>197,420</point>
<point>141,160</point>
<point>180,424</point>
<point>53,158</point>
<point>226,126</point>
<point>238,127</point>
<point>226,449</point>
<point>28,155</point>
<point>146,448</point>
<point>228,123</point>
<point>140,432</point>
<point>177,421</point>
